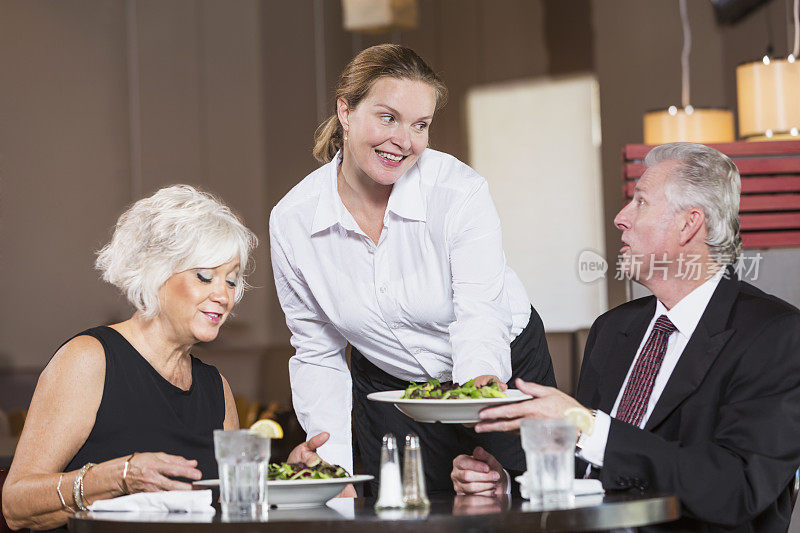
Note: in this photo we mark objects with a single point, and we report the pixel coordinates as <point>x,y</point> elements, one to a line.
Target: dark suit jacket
<point>725,434</point>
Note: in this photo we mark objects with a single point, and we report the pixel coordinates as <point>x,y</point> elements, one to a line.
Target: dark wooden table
<point>457,514</point>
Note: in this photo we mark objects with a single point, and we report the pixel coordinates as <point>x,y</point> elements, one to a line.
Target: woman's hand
<point>307,452</point>
<point>480,381</point>
<point>348,492</point>
<point>479,474</point>
<point>151,472</point>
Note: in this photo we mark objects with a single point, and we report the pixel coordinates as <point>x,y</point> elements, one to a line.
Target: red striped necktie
<point>640,384</point>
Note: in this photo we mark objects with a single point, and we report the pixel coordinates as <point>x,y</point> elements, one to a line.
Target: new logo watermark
<point>591,266</point>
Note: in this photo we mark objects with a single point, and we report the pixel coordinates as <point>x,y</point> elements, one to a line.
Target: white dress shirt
<point>433,299</point>
<point>685,315</point>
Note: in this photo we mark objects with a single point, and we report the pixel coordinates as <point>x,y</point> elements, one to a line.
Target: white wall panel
<point>538,145</point>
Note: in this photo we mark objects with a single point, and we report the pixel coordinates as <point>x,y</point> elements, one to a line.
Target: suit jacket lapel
<point>615,367</point>
<point>704,346</point>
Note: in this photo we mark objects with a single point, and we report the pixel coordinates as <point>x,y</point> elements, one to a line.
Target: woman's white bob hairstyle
<point>175,229</point>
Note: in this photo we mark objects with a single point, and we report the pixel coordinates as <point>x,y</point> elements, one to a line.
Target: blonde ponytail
<point>327,139</point>
<point>379,61</point>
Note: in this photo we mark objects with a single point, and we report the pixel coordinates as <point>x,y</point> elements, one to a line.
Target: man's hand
<point>548,402</point>
<point>471,504</point>
<point>479,474</point>
<point>307,452</point>
<point>480,381</point>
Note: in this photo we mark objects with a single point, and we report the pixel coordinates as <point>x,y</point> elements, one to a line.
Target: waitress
<point>396,249</point>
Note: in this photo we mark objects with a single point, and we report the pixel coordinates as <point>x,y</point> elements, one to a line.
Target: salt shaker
<point>390,492</point>
<point>414,493</point>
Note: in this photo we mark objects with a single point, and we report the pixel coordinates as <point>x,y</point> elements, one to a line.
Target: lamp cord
<point>687,48</point>
<point>796,48</point>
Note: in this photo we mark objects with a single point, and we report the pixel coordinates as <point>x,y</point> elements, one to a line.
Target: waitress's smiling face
<point>388,130</point>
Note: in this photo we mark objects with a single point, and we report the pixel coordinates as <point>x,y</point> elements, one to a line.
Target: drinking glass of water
<point>549,445</point>
<point>243,460</point>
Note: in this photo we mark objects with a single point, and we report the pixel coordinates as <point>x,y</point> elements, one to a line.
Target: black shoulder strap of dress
<point>92,332</point>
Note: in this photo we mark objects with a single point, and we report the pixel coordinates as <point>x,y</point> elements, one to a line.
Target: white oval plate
<point>445,411</point>
<point>300,492</point>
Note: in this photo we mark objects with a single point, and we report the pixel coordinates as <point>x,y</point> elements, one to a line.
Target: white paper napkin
<point>171,501</point>
<point>580,487</point>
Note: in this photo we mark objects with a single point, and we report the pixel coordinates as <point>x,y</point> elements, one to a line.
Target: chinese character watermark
<point>645,267</point>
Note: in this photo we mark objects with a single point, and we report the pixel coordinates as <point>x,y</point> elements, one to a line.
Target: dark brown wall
<point>637,58</point>
<point>102,102</point>
<point>468,42</point>
<point>637,48</point>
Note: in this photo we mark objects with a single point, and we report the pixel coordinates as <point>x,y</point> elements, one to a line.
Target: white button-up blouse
<point>433,299</point>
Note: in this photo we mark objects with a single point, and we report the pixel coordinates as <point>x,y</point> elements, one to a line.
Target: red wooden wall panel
<point>770,202</point>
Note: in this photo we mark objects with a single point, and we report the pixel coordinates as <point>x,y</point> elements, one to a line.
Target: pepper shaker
<point>390,491</point>
<point>414,493</point>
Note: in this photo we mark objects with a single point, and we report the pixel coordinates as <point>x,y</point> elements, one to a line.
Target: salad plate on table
<point>296,485</point>
<point>446,402</point>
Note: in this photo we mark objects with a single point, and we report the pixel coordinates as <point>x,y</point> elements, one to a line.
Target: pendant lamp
<point>687,123</point>
<point>768,93</point>
<point>378,16</point>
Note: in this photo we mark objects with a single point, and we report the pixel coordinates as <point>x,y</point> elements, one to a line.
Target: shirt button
<point>416,351</point>
<point>371,250</point>
<point>396,325</point>
<point>383,288</point>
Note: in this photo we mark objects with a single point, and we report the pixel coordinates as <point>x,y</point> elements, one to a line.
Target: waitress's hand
<point>348,492</point>
<point>307,452</point>
<point>480,381</point>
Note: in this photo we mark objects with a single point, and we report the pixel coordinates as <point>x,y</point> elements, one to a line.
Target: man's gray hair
<point>176,229</point>
<point>708,179</point>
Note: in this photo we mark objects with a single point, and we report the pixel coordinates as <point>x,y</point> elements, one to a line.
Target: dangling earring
<point>345,135</point>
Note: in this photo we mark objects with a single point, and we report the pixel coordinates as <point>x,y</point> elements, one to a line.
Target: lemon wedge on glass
<point>267,428</point>
<point>582,418</point>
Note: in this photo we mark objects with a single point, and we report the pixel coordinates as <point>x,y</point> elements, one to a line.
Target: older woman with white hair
<point>126,408</point>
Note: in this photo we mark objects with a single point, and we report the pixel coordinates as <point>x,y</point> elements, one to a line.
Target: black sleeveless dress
<point>142,412</point>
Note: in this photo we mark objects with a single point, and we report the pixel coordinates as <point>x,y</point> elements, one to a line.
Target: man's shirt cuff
<point>592,448</point>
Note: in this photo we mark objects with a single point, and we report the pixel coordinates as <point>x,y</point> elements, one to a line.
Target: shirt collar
<point>686,314</point>
<point>405,200</point>
<point>330,209</point>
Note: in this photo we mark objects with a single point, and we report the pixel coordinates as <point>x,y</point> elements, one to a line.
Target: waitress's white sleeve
<point>480,334</point>
<point>320,379</point>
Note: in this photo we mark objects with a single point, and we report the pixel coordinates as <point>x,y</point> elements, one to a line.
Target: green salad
<point>317,470</point>
<point>434,390</point>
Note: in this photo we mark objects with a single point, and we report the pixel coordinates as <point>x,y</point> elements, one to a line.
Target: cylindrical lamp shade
<point>696,125</point>
<point>377,16</point>
<point>769,99</point>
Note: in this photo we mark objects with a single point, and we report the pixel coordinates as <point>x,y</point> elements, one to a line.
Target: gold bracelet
<point>77,487</point>
<point>61,497</point>
<point>83,498</point>
<point>125,486</point>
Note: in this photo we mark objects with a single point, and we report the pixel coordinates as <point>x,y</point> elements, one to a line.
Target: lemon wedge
<point>267,428</point>
<point>582,418</point>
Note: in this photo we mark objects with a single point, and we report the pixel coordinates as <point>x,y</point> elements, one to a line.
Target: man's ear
<point>343,112</point>
<point>693,221</point>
